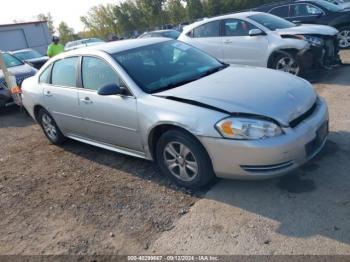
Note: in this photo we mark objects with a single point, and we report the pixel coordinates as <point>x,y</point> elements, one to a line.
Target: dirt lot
<point>78,199</point>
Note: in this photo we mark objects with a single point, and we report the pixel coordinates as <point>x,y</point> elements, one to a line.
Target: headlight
<point>241,128</point>
<point>312,40</point>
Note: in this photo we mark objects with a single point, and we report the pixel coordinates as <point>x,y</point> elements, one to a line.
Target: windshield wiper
<point>214,70</point>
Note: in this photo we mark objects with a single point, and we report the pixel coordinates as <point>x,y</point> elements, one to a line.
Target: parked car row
<point>20,70</point>
<point>30,56</point>
<point>314,12</point>
<point>169,102</point>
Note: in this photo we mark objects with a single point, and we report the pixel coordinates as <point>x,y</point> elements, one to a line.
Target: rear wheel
<point>344,37</point>
<point>50,128</point>
<point>287,63</point>
<point>184,160</point>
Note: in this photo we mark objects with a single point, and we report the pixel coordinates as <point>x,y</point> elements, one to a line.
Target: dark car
<point>31,56</point>
<point>173,34</point>
<point>314,12</point>
<point>20,70</point>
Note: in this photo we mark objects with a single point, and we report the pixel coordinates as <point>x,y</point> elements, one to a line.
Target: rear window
<point>211,29</point>
<point>282,11</point>
<point>64,72</point>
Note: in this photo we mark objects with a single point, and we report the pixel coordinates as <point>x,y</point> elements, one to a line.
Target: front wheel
<point>344,37</point>
<point>287,63</point>
<point>184,160</point>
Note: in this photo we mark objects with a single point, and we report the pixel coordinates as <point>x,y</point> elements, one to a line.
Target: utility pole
<point>11,83</point>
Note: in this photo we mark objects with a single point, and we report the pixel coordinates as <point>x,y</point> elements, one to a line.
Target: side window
<point>282,11</point>
<point>305,10</point>
<point>45,76</point>
<point>64,72</point>
<point>96,73</point>
<point>211,29</point>
<point>235,27</point>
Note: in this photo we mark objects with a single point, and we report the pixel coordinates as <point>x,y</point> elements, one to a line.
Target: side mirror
<point>110,89</point>
<point>256,32</point>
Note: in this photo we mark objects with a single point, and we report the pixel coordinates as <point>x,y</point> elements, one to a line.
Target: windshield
<point>329,6</point>
<point>166,65</point>
<point>25,55</point>
<point>169,34</point>
<point>271,22</point>
<point>11,61</point>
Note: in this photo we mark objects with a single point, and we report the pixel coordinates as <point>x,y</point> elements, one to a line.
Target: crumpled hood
<point>307,29</point>
<point>259,91</point>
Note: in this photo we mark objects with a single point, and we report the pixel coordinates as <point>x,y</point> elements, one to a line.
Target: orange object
<point>227,128</point>
<point>16,90</point>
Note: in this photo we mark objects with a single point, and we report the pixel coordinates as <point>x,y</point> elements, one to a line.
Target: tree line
<point>130,17</point>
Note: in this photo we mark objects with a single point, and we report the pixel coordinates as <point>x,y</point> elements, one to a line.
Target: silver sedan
<point>166,101</point>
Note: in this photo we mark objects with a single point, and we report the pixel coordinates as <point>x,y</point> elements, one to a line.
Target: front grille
<point>330,45</point>
<point>315,145</point>
<point>304,116</point>
<point>268,168</point>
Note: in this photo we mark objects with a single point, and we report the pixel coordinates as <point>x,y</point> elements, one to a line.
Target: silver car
<point>166,101</point>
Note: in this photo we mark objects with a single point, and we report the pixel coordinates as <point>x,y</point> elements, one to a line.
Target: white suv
<point>264,40</point>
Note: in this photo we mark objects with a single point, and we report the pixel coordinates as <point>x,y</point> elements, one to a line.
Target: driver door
<point>239,47</point>
<point>112,119</point>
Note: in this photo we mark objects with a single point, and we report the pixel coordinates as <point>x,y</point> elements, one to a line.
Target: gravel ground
<point>78,199</point>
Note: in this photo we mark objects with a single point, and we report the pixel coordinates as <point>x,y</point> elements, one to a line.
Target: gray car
<point>166,101</point>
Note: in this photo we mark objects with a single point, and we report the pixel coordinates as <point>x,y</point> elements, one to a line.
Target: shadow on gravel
<point>14,117</point>
<point>140,168</point>
<point>313,200</point>
<point>336,76</point>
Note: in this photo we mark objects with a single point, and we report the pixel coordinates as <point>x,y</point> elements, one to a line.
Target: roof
<point>119,46</point>
<point>23,23</point>
<point>240,15</point>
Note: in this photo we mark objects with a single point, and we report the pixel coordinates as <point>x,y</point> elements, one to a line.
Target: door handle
<point>296,21</point>
<point>227,41</point>
<point>86,100</point>
<point>48,93</point>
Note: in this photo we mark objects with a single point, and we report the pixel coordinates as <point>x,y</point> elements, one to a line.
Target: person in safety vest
<point>55,47</point>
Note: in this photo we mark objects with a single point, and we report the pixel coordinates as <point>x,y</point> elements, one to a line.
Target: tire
<point>192,168</point>
<point>50,128</point>
<point>292,65</point>
<point>344,37</point>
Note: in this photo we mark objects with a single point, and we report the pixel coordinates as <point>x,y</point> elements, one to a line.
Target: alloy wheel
<point>49,127</point>
<point>344,39</point>
<point>180,161</point>
<point>288,64</point>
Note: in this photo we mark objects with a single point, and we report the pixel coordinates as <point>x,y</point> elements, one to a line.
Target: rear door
<point>61,94</point>
<point>305,13</point>
<point>208,38</point>
<point>108,119</point>
<point>239,47</point>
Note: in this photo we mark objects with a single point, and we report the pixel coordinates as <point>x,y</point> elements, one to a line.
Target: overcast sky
<point>61,10</point>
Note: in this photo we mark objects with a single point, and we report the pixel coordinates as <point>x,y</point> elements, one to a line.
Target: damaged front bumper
<point>323,56</point>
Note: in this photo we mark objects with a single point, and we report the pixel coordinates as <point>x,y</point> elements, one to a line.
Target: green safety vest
<point>54,49</point>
